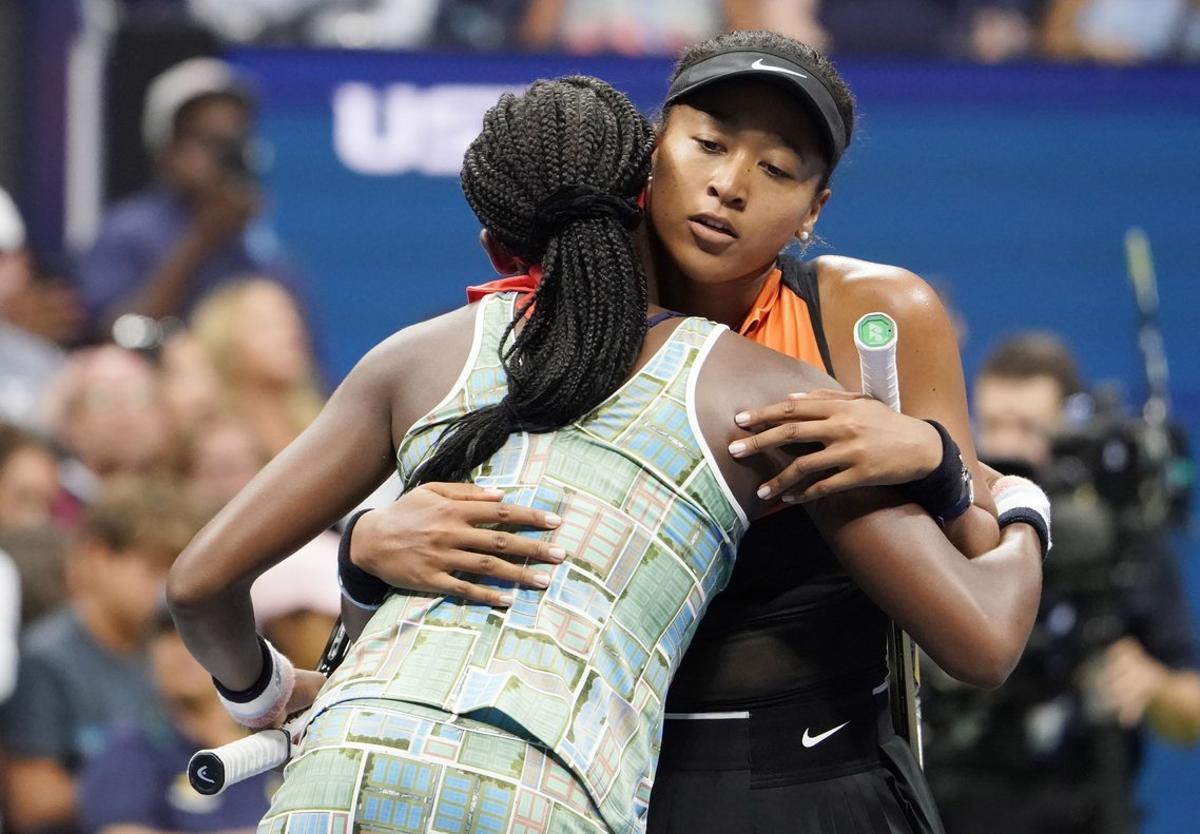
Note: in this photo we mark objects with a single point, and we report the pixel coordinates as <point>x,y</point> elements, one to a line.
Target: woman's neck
<point>727,302</point>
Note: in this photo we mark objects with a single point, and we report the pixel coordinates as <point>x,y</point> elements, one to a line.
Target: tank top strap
<point>800,277</point>
<point>480,383</point>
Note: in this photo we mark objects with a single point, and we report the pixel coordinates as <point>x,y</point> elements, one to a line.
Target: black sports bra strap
<point>801,278</point>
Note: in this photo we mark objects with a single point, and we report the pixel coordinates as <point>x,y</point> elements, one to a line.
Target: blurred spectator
<point>1057,748</point>
<point>799,19</point>
<point>629,27</point>
<point>223,454</point>
<point>83,667</point>
<point>260,346</point>
<point>28,359</point>
<point>28,479</point>
<point>40,555</point>
<point>10,624</point>
<point>190,388</point>
<point>105,409</point>
<point>998,30</point>
<point>1019,398</point>
<point>140,782</point>
<point>1122,31</point>
<point>485,25</point>
<point>35,294</point>
<point>160,251</point>
<point>297,601</point>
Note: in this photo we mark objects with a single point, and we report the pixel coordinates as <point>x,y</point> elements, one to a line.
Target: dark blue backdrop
<point>1011,187</point>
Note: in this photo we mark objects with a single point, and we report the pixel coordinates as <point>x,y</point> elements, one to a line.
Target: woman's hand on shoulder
<point>865,444</point>
<point>438,530</point>
<point>927,358</point>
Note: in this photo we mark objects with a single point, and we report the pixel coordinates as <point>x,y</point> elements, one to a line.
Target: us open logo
<point>403,128</point>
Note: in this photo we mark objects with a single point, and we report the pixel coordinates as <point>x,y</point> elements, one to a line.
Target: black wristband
<point>1030,516</point>
<point>946,492</point>
<point>257,688</point>
<point>361,588</point>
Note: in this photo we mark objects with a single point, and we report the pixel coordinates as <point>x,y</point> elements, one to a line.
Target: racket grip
<point>211,771</point>
<point>875,336</point>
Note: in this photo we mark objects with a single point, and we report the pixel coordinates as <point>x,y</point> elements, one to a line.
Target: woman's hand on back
<point>865,444</point>
<point>437,530</point>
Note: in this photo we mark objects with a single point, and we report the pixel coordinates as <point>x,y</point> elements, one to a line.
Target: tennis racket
<point>211,771</point>
<point>875,336</point>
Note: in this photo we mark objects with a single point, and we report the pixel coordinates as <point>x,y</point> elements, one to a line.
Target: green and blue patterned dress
<point>449,716</point>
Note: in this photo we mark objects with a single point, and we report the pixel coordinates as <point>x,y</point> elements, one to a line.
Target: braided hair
<point>554,176</point>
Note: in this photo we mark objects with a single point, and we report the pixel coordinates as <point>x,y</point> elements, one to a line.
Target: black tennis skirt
<point>812,766</point>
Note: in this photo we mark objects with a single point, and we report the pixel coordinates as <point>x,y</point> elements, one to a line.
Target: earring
<point>805,235</point>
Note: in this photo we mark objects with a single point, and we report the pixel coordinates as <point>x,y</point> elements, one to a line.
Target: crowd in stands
<point>134,402</point>
<point>1114,31</point>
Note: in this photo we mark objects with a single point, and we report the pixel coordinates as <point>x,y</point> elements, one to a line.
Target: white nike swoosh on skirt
<point>813,741</point>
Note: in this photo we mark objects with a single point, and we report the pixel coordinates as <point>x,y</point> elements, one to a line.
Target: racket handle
<point>875,336</point>
<point>211,771</point>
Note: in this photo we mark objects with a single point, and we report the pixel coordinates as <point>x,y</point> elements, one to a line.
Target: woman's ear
<point>813,214</point>
<point>503,261</point>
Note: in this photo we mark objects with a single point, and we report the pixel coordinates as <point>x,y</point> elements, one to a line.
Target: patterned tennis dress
<point>449,716</point>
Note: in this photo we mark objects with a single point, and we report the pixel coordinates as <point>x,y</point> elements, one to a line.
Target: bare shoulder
<point>749,371</point>
<point>853,287</point>
<point>415,367</point>
<point>415,346</point>
<point>739,375</point>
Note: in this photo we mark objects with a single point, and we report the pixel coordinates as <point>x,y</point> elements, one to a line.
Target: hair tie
<point>582,202</point>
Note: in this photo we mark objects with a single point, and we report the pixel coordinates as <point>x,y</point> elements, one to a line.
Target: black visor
<point>767,66</point>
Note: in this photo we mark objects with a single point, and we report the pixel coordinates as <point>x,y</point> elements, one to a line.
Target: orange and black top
<point>791,623</point>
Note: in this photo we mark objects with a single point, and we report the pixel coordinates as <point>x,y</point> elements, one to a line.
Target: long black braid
<point>554,177</point>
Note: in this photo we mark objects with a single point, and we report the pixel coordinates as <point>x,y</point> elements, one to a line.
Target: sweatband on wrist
<point>264,704</point>
<point>946,492</point>
<point>1021,500</point>
<point>359,587</point>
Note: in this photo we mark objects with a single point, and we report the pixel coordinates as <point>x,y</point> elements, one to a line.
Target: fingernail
<point>505,599</point>
<point>797,396</point>
<point>492,492</point>
<point>557,554</point>
<point>737,448</point>
<point>764,491</point>
<point>741,417</point>
<point>540,581</point>
<point>553,519</point>
<point>788,498</point>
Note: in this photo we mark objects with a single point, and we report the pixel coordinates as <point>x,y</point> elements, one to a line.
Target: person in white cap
<point>27,360</point>
<point>161,250</point>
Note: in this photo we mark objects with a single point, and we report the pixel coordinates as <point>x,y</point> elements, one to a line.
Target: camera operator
<point>161,250</point>
<point>1113,650</point>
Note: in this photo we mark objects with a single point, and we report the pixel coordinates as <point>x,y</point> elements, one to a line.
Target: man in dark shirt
<point>161,250</point>
<point>83,667</point>
<point>140,779</point>
<point>1114,650</point>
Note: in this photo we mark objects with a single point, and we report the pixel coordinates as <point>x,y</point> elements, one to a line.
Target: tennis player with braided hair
<point>600,417</point>
<point>753,127</point>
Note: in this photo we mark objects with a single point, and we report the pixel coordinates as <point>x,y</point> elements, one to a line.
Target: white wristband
<point>268,707</point>
<point>1021,500</point>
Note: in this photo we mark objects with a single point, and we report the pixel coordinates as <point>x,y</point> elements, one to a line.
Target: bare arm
<point>862,442</point>
<point>39,793</point>
<point>931,375</point>
<point>335,463</point>
<point>973,616</point>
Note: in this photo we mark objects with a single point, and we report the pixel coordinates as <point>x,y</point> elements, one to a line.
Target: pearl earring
<point>805,235</point>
